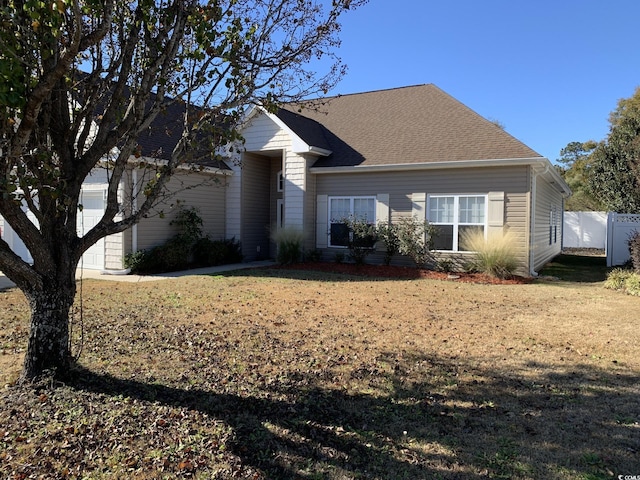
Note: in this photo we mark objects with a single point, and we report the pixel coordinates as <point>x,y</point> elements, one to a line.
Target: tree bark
<point>48,350</point>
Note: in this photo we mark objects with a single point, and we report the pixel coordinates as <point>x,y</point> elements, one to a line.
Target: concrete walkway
<point>122,277</point>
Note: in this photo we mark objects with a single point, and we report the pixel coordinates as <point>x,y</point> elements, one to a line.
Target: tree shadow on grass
<point>577,268</point>
<point>423,417</point>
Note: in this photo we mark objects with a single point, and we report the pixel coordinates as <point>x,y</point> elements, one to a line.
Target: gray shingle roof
<point>409,125</point>
<point>159,140</point>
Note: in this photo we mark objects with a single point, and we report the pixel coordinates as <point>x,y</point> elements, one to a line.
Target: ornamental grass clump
<point>495,255</point>
<point>623,279</point>
<point>289,244</point>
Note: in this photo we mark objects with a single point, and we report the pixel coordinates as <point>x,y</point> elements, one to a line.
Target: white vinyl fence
<point>584,230</point>
<point>620,226</point>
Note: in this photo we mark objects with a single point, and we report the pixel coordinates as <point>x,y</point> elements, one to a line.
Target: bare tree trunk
<point>48,351</point>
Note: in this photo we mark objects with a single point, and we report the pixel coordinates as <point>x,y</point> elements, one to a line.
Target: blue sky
<point>549,71</point>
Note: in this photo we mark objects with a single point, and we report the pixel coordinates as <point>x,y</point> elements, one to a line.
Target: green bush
<point>617,278</point>
<point>208,253</point>
<point>288,242</point>
<point>623,279</point>
<point>189,225</point>
<point>416,240</point>
<point>388,233</point>
<point>362,239</point>
<point>313,256</point>
<point>187,249</point>
<point>632,285</point>
<point>496,255</point>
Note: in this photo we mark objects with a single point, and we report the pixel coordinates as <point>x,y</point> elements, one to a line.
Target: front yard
<point>287,374</point>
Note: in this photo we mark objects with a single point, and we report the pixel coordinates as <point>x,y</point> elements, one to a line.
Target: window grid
<point>341,208</point>
<point>456,214</point>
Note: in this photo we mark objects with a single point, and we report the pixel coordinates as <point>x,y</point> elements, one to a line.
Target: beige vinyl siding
<point>309,211</point>
<point>547,199</point>
<point>263,134</point>
<point>256,218</point>
<point>275,195</point>
<point>513,181</point>
<point>203,191</point>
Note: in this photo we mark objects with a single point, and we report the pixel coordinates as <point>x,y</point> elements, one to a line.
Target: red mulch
<point>392,271</point>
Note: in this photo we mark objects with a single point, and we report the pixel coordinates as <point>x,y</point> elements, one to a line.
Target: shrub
<point>445,264</point>
<point>495,255</point>
<point>187,249</point>
<point>634,249</point>
<point>189,225</point>
<point>362,239</point>
<point>616,278</point>
<point>632,284</point>
<point>207,253</point>
<point>313,256</point>
<point>289,244</point>
<point>416,240</point>
<point>388,233</point>
<point>138,261</point>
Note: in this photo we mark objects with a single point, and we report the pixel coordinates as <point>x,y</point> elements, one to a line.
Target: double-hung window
<point>348,208</point>
<point>454,216</point>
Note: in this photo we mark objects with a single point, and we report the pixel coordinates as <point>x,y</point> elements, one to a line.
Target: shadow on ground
<point>440,418</point>
<point>577,268</point>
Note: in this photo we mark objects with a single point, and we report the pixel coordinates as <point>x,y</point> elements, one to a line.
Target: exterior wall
<point>400,185</point>
<point>255,210</point>
<point>547,212</point>
<point>233,200</point>
<point>263,134</point>
<point>274,196</point>
<point>203,191</point>
<point>310,214</point>
<point>252,195</point>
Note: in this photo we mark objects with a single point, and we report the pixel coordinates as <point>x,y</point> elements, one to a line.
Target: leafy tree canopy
<point>575,167</point>
<point>82,80</point>
<point>615,163</point>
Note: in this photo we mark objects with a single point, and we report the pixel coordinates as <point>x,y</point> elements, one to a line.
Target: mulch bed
<point>393,271</point>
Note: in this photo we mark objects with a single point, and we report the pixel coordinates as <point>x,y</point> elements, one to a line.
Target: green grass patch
<point>577,268</point>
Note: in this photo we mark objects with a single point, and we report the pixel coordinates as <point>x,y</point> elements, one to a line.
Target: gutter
<point>532,227</point>
<point>189,167</point>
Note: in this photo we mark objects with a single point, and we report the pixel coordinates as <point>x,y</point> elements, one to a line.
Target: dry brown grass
<point>293,374</point>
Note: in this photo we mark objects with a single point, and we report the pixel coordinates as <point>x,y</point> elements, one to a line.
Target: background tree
<point>83,79</point>
<point>575,167</point>
<point>615,172</point>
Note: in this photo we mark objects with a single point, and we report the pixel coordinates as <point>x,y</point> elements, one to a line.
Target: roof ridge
<point>379,90</point>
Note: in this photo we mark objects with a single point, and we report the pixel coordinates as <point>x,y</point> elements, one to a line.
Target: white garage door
<point>14,241</point>
<point>92,211</point>
<point>93,208</point>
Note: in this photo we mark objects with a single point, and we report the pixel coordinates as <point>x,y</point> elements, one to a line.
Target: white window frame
<point>351,199</point>
<point>456,215</point>
<point>280,182</point>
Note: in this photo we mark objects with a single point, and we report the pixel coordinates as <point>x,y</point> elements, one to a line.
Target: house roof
<point>410,125</point>
<point>162,136</point>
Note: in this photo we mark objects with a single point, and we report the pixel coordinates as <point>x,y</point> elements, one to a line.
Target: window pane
<point>471,210</point>
<point>340,209</point>
<point>339,235</point>
<point>364,209</point>
<point>465,230</point>
<point>441,209</point>
<point>444,238</point>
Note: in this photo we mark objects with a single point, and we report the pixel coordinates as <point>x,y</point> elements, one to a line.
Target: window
<point>553,225</point>
<point>454,215</point>
<point>341,208</point>
<point>280,182</point>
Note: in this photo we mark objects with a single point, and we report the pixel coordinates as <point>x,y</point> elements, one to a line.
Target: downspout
<point>532,231</point>
<point>134,207</point>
